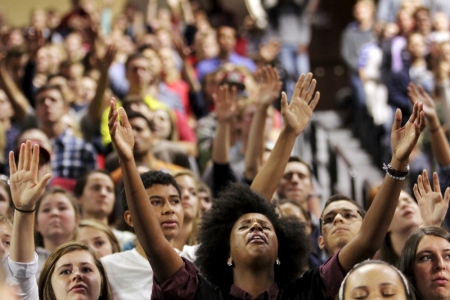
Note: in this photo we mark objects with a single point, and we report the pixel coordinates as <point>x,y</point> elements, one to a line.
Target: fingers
<point>447,195</point>
<point>12,163</point>
<point>35,161</point>
<point>315,100</point>
<point>298,86</point>
<point>426,181</point>
<point>436,185</point>
<point>112,116</point>
<point>306,87</point>
<point>420,186</point>
<point>124,118</point>
<point>28,154</point>
<point>284,103</point>
<point>397,120</point>
<point>43,183</point>
<point>311,90</point>
<point>21,156</point>
<point>416,193</point>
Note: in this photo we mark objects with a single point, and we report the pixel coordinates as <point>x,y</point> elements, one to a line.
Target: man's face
<point>143,137</point>
<point>138,73</point>
<point>341,221</point>
<point>50,106</point>
<point>296,183</point>
<point>226,39</point>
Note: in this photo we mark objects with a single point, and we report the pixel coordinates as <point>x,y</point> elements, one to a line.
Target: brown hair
<point>45,283</point>
<point>196,223</point>
<point>102,227</point>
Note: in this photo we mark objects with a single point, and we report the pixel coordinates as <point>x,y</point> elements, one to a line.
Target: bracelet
<point>25,211</point>
<point>397,175</point>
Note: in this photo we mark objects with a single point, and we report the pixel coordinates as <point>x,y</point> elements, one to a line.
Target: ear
<point>127,218</point>
<point>321,242</point>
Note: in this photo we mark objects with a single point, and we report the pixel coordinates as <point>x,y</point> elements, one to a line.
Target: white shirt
<point>22,275</point>
<point>131,276</point>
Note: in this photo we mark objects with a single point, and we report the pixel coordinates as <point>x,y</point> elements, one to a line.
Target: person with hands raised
<point>22,264</point>
<point>439,142</point>
<point>269,88</point>
<point>296,116</point>
<point>433,207</point>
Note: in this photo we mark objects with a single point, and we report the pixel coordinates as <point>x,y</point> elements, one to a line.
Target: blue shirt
<point>72,156</point>
<point>210,65</point>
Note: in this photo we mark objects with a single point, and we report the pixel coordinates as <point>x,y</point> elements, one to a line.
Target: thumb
<point>43,183</point>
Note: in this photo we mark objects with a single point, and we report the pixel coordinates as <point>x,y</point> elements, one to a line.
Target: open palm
<point>25,186</point>
<point>297,114</point>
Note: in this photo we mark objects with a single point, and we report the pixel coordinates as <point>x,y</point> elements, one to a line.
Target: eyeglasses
<point>349,215</point>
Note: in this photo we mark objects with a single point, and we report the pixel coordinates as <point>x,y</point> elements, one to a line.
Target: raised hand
<point>297,114</point>
<point>418,94</point>
<point>404,138</point>
<point>109,56</point>
<point>432,207</point>
<point>269,85</point>
<point>121,134</point>
<point>225,103</point>
<point>25,187</point>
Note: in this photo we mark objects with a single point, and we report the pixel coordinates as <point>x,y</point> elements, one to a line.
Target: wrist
<point>25,210</point>
<point>399,165</point>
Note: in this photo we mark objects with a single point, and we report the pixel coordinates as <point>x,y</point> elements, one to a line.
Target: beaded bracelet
<point>397,175</point>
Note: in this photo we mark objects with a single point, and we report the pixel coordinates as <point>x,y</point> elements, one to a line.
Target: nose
<point>185,193</point>
<point>256,226</point>
<point>54,211</point>
<point>440,264</point>
<point>3,251</point>
<point>167,208</point>
<point>77,275</point>
<point>338,218</point>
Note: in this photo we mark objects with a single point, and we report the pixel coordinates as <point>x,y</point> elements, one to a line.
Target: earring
<point>278,262</point>
<point>230,262</point>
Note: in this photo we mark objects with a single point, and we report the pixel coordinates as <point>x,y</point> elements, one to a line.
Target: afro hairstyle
<point>233,202</point>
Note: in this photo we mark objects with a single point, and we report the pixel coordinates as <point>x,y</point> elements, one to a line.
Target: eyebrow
<point>70,265</point>
<point>258,220</point>
<point>431,251</point>
<point>336,210</point>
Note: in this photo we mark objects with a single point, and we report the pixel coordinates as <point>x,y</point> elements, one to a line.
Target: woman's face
<point>163,124</point>
<point>407,214</point>
<point>56,217</point>
<point>5,239</point>
<point>96,239</point>
<point>189,198</point>
<point>374,281</point>
<point>432,268</point>
<point>253,241</point>
<point>76,277</point>
<point>98,196</point>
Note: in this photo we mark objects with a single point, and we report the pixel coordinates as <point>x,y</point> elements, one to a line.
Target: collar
<point>269,294</point>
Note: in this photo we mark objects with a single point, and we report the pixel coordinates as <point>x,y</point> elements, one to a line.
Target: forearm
<point>376,222</point>
<point>18,100</point>
<point>22,238</point>
<point>439,143</point>
<point>267,179</point>
<point>221,143</point>
<point>97,104</point>
<point>255,145</point>
<point>161,255</point>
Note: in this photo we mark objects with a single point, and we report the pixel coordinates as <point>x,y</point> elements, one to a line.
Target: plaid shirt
<point>72,156</point>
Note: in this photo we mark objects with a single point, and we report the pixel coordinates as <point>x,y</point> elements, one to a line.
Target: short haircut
<point>340,197</point>
<point>299,160</point>
<point>49,87</point>
<point>149,179</point>
<point>233,202</point>
<point>136,55</point>
<point>82,181</point>
<point>134,114</point>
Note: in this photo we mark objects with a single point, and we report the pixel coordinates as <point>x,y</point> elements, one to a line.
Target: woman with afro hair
<point>245,251</point>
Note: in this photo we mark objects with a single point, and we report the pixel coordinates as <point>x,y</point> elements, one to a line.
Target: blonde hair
<point>103,228</point>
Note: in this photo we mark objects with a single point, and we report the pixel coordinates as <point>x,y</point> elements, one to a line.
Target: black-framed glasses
<point>348,214</point>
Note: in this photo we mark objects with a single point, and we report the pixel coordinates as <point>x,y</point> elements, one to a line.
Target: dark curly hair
<point>233,202</point>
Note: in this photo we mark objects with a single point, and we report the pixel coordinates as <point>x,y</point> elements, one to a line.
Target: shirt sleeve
<point>332,275</point>
<point>182,285</point>
<point>22,275</point>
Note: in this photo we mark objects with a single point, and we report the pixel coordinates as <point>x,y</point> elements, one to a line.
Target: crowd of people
<point>149,155</point>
